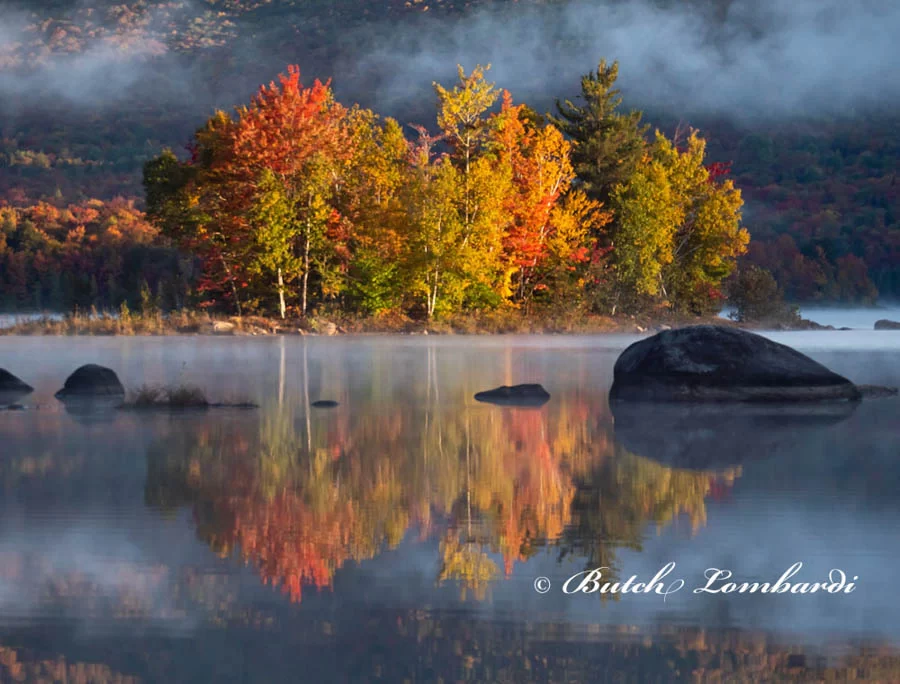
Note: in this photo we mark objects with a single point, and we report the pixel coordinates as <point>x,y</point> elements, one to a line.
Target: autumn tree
<point>678,228</point>
<point>373,200</point>
<point>550,224</point>
<point>296,139</point>
<point>483,183</point>
<point>186,201</point>
<point>261,189</point>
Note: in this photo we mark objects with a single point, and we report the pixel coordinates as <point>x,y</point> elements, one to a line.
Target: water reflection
<point>722,435</point>
<point>298,496</point>
<point>405,526</point>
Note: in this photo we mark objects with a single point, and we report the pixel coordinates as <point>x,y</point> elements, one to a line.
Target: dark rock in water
<point>845,328</point>
<point>12,407</point>
<point>325,403</point>
<point>92,381</point>
<point>517,395</point>
<point>885,324</point>
<point>12,388</point>
<point>716,436</point>
<point>10,383</point>
<point>876,391</point>
<point>709,363</point>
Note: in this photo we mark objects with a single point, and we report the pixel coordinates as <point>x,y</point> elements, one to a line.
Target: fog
<point>742,59</point>
<point>759,59</point>
<point>856,318</point>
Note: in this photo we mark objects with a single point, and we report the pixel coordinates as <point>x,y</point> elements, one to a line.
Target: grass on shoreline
<point>491,323</point>
<point>176,398</point>
<point>182,396</point>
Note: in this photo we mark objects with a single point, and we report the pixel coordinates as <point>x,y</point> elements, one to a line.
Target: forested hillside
<point>90,91</point>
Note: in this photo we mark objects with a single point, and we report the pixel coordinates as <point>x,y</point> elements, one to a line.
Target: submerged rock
<point>885,324</point>
<point>92,381</point>
<point>531,395</point>
<point>876,391</point>
<point>716,436</point>
<point>325,403</point>
<point>12,388</point>
<point>709,363</point>
<point>89,409</point>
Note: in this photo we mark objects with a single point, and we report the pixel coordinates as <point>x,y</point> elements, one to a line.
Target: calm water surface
<point>399,536</point>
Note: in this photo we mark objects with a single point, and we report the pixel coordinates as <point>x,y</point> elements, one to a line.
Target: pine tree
<point>607,144</point>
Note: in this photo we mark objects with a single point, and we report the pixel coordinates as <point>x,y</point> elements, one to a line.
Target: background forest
<point>92,91</point>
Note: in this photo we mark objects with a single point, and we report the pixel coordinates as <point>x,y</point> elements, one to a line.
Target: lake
<point>414,534</point>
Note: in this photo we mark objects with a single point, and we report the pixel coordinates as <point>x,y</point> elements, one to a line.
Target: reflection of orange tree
<point>298,504</point>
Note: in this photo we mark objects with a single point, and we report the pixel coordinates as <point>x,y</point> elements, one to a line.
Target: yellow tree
<point>376,176</point>
<point>648,215</point>
<point>435,268</point>
<point>710,238</point>
<point>484,185</point>
<point>679,229</point>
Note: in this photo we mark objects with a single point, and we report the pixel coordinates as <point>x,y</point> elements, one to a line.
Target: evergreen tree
<point>606,145</point>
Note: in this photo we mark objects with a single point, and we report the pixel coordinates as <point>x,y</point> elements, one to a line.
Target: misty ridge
<point>744,60</point>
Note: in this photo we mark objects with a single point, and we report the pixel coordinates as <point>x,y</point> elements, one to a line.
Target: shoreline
<point>188,324</point>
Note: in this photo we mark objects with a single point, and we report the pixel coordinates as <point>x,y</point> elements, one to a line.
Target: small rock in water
<point>885,324</point>
<point>325,403</point>
<point>92,381</point>
<point>531,395</point>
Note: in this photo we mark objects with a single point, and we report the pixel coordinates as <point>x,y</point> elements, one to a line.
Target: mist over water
<point>855,318</point>
<point>862,318</point>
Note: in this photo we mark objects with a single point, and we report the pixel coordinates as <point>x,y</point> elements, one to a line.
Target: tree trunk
<point>305,272</point>
<point>237,299</point>
<point>281,294</point>
<point>432,297</point>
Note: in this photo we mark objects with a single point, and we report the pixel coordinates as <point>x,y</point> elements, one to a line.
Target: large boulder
<point>709,363</point>
<point>92,381</point>
<point>12,388</point>
<point>531,395</point>
<point>885,324</point>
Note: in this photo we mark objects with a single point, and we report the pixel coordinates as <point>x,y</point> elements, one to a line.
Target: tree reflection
<point>297,495</point>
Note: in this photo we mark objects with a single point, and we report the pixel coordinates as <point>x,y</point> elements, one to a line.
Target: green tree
<point>756,297</point>
<point>607,144</point>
